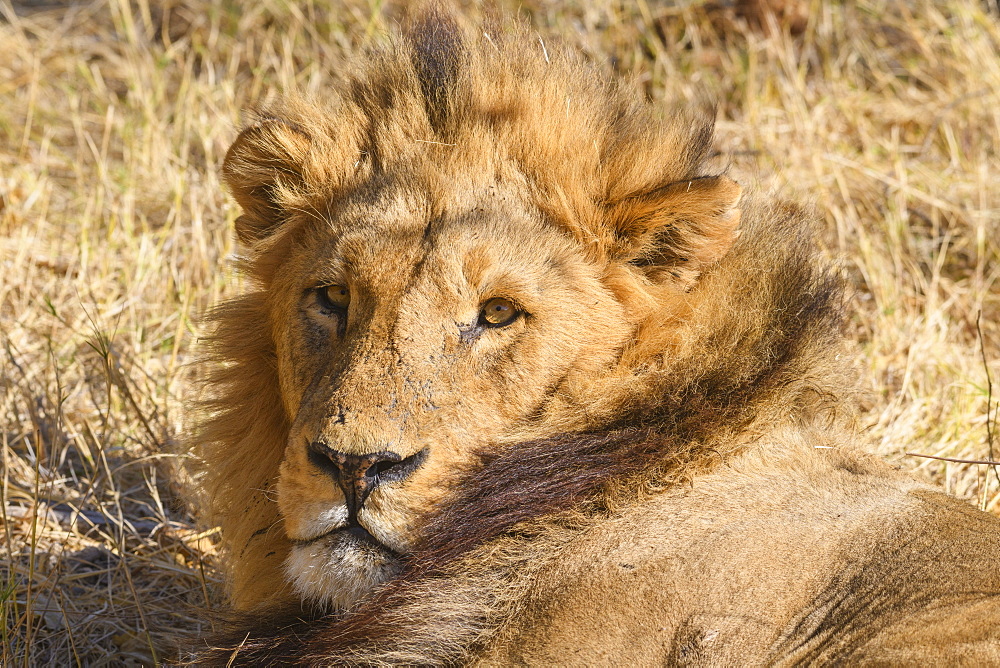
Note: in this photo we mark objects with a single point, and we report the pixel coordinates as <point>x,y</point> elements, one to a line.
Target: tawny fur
<point>654,463</point>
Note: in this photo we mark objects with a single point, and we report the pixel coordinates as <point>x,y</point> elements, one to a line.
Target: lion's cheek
<point>396,519</point>
<point>306,502</point>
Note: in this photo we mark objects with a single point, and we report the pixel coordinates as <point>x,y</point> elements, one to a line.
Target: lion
<point>517,378</point>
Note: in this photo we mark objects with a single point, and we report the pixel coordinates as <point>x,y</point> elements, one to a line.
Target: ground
<point>115,234</point>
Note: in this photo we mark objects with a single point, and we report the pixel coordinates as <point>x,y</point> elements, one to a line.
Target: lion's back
<point>818,556</point>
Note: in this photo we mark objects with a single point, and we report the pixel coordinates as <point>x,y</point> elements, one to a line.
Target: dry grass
<point>114,236</point>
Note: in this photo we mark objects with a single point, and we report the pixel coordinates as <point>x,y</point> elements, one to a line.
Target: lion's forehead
<point>398,241</point>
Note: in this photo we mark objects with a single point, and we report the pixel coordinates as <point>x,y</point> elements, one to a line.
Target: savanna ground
<point>115,236</point>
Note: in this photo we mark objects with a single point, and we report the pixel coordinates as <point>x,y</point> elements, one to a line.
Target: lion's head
<point>470,246</point>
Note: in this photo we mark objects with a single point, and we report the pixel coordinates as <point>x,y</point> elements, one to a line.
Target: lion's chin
<point>336,570</point>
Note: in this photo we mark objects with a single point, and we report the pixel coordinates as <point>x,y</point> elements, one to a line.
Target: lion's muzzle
<point>358,475</point>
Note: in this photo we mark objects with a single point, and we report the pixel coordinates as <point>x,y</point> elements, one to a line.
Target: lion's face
<point>428,294</point>
<point>408,340</point>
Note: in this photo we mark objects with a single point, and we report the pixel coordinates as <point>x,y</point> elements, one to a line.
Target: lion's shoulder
<point>818,554</point>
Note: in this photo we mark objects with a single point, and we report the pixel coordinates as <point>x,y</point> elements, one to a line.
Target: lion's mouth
<point>355,534</point>
<point>361,535</point>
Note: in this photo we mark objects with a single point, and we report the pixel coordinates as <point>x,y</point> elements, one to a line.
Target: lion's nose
<point>358,475</point>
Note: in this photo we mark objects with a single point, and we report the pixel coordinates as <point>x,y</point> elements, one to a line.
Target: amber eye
<point>498,312</point>
<point>333,297</point>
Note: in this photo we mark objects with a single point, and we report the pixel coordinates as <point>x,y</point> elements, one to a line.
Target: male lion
<point>517,380</point>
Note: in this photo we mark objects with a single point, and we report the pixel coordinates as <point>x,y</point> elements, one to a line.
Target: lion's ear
<point>262,166</point>
<point>678,230</point>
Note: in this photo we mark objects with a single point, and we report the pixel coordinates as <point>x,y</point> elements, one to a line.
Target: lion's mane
<point>759,349</point>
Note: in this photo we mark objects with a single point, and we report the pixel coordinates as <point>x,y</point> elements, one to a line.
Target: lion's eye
<point>333,297</point>
<point>498,312</point>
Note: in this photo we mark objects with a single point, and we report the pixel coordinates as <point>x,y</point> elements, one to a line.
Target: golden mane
<point>597,161</point>
<point>756,346</point>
